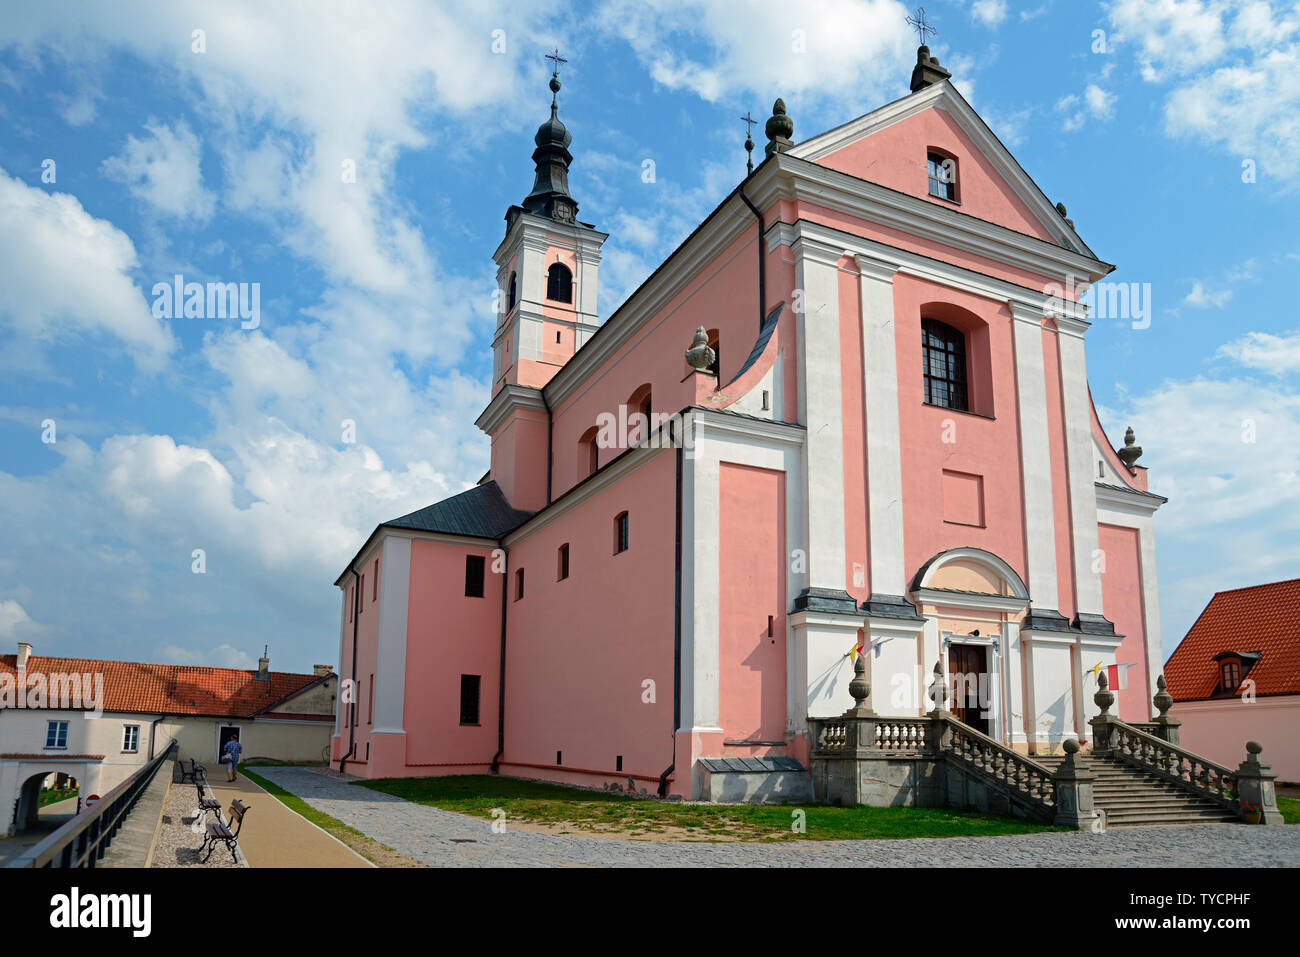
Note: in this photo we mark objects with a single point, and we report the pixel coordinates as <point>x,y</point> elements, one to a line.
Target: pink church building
<point>849,414</point>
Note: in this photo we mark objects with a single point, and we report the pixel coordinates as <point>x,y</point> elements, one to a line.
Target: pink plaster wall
<point>449,635</point>
<point>751,585</point>
<point>1122,603</point>
<point>367,652</point>
<point>1219,731</point>
<point>578,650</point>
<point>896,157</point>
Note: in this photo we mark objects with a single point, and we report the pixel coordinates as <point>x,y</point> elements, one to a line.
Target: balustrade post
<point>1074,783</point>
<point>1255,785</point>
<point>940,736</point>
<point>1167,724</point>
<point>1102,741</point>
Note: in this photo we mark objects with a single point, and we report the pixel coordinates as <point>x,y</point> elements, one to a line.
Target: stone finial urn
<point>1162,699</point>
<point>1130,453</point>
<point>938,688</point>
<point>1104,696</point>
<point>779,128</point>
<point>699,356</point>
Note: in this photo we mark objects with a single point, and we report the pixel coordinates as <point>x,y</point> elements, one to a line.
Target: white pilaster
<point>883,442</point>
<point>390,677</point>
<point>821,410</point>
<point>1035,457</point>
<point>1080,461</point>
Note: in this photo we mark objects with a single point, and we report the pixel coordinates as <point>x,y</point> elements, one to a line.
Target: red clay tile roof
<point>1263,618</point>
<point>53,756</point>
<point>174,689</point>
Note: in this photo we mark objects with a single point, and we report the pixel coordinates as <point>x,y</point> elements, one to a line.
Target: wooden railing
<point>1021,775</point>
<point>1137,747</point>
<point>82,841</point>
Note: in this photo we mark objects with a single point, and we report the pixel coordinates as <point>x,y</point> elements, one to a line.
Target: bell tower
<point>547,267</point>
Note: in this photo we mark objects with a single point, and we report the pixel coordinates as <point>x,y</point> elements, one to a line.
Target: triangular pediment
<point>888,146</point>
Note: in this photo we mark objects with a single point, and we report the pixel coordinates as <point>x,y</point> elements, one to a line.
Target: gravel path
<point>176,844</point>
<point>445,839</point>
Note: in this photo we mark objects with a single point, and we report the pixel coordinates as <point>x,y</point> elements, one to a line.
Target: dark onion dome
<point>550,195</point>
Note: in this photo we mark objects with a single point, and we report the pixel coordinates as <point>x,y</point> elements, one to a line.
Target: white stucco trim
<point>821,409</point>
<point>1079,453</point>
<point>1035,457</point>
<point>390,666</point>
<point>883,431</point>
<point>967,600</point>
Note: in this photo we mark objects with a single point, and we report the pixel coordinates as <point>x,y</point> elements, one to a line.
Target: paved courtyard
<point>445,839</point>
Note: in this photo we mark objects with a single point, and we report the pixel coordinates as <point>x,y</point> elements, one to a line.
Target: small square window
<point>56,734</point>
<point>131,737</point>
<point>942,174</point>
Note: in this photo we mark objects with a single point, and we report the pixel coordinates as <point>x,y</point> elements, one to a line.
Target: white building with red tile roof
<point>98,721</point>
<point>1236,677</point>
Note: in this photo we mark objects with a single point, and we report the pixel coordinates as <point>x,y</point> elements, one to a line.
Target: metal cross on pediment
<point>921,25</point>
<point>749,122</point>
<point>556,59</point>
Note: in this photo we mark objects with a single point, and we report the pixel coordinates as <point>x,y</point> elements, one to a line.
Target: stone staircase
<point>1132,797</point>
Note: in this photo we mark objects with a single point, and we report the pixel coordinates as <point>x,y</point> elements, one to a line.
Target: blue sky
<point>226,164</point>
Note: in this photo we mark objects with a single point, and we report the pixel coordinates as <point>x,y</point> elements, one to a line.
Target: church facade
<point>849,415</point>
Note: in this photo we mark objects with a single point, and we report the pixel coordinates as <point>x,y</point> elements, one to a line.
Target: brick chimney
<point>322,670</point>
<point>264,666</point>
<point>24,652</point>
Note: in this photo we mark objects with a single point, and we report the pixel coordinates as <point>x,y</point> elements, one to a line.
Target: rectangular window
<point>620,533</point>
<point>474,568</point>
<point>361,594</point>
<point>943,363</point>
<point>564,563</point>
<point>942,171</point>
<point>370,715</point>
<point>56,734</point>
<point>1231,675</point>
<point>519,584</point>
<point>374,586</point>
<point>350,594</point>
<point>131,737</point>
<point>469,691</point>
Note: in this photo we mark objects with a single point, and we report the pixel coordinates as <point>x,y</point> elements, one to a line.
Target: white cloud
<point>163,170</point>
<point>16,624</point>
<point>861,49</point>
<point>66,273</point>
<point>1276,355</point>
<point>989,12</point>
<point>1233,70</point>
<point>1202,298</point>
<point>222,656</point>
<point>1095,104</point>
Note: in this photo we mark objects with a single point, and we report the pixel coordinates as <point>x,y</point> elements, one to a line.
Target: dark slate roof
<point>750,765</point>
<point>480,512</point>
<point>764,334</point>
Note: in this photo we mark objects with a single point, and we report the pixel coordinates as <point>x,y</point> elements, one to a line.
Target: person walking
<point>230,755</point>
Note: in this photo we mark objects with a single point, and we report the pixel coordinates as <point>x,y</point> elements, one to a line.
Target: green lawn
<point>54,797</point>
<point>1290,808</point>
<point>611,813</point>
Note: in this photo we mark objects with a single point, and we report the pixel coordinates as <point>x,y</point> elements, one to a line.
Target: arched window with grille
<point>588,454</point>
<point>512,293</point>
<point>559,283</point>
<point>943,356</point>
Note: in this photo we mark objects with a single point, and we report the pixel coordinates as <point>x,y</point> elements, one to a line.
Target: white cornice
<point>951,599</point>
<point>541,232</point>
<point>510,398</point>
<point>1133,502</point>
<point>811,183</point>
<point>945,97</point>
<point>1030,305</point>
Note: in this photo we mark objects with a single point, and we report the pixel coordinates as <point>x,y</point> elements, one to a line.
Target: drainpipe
<point>762,260</point>
<point>356,622</point>
<point>501,677</point>
<point>677,630</point>
<point>152,728</point>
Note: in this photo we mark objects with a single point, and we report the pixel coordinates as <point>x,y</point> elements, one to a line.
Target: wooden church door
<point>968,670</point>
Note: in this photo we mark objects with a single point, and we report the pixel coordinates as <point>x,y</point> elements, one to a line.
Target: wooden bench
<point>218,832</point>
<point>195,772</point>
<point>206,803</point>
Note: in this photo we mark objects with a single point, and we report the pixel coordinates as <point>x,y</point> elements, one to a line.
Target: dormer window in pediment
<point>941,167</point>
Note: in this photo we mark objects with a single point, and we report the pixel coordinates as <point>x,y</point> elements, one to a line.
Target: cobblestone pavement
<point>445,839</point>
<point>177,844</point>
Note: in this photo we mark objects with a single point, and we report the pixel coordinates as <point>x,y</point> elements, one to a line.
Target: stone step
<point>1142,819</point>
